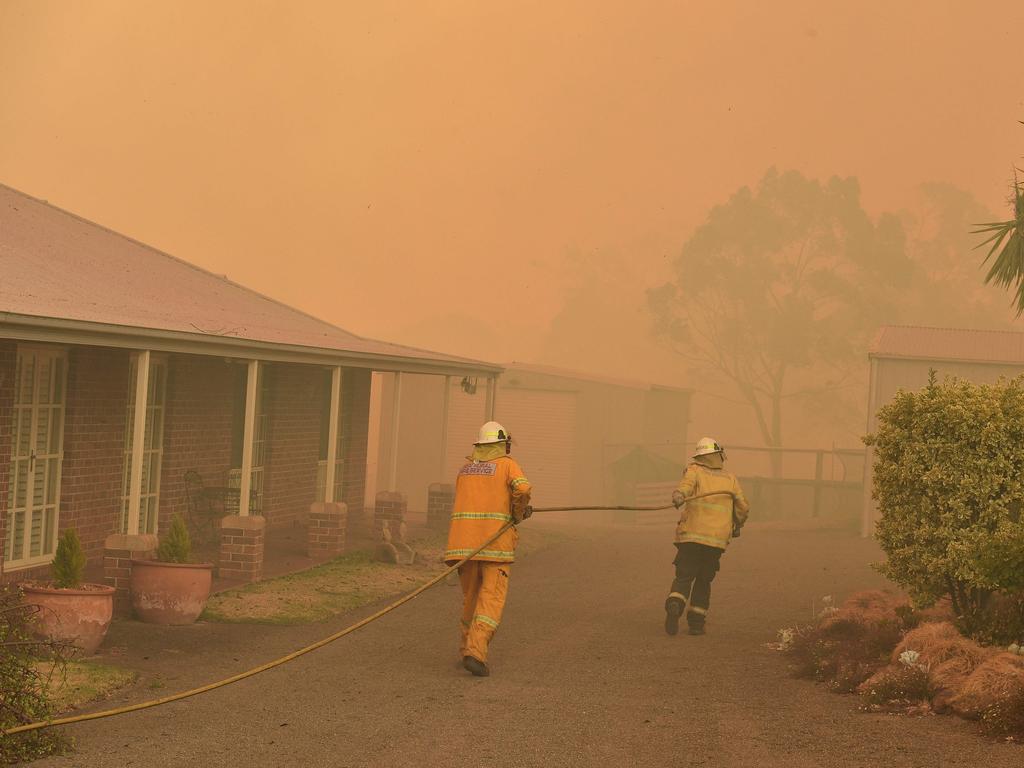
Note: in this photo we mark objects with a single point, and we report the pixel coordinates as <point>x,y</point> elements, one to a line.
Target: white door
<point>37,453</point>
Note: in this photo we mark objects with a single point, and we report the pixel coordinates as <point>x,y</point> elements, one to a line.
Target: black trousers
<point>696,566</point>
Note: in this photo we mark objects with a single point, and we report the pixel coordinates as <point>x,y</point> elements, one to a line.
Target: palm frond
<point>1006,244</point>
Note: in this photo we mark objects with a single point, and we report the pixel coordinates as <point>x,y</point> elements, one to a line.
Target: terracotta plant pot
<point>169,593</point>
<point>79,617</point>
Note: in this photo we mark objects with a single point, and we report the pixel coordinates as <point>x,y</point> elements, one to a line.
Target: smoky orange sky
<point>410,169</point>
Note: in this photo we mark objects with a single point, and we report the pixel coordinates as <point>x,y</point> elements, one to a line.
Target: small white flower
<point>909,658</point>
<point>786,637</point>
<point>826,600</point>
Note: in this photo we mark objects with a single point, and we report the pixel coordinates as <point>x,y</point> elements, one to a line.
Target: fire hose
<point>330,639</point>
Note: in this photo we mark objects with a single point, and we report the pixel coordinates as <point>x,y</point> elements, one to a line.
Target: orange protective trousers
<point>484,588</point>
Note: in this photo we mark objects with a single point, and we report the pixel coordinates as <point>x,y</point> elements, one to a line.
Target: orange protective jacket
<point>486,492</point>
<point>710,520</point>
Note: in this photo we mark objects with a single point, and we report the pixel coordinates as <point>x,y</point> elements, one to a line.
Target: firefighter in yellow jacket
<point>705,527</point>
<point>490,491</point>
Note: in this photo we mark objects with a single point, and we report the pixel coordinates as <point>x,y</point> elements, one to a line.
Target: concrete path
<point>583,675</point>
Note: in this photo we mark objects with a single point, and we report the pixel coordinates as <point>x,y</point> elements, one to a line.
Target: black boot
<point>673,610</point>
<point>477,667</point>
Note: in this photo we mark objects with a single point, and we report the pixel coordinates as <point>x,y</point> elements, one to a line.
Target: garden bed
<point>902,660</point>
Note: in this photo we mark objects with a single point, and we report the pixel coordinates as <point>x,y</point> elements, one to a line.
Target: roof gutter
<point>930,359</point>
<point>63,331</point>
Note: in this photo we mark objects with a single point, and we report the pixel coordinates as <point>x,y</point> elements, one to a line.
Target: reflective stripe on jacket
<point>485,493</point>
<point>710,520</point>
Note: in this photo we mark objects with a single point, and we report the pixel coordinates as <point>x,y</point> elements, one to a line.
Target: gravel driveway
<point>583,675</point>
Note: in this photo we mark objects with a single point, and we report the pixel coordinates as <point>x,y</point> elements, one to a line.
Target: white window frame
<point>10,564</point>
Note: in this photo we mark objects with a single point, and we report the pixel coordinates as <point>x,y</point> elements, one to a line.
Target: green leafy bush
<point>69,561</point>
<point>949,480</point>
<point>176,546</point>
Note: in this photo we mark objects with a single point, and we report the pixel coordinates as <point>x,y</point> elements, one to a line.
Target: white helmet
<point>493,432</point>
<point>707,445</point>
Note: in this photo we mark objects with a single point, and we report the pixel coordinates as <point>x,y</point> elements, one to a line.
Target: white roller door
<point>542,424</point>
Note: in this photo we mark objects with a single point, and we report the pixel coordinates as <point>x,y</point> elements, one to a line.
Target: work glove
<point>677,499</point>
<point>521,513</point>
<point>736,531</point>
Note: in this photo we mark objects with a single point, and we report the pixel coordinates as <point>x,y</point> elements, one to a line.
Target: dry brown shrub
<point>847,646</point>
<point>897,686</point>
<point>934,642</point>
<point>872,606</point>
<point>947,655</point>
<point>949,677</point>
<point>1006,717</point>
<point>991,683</point>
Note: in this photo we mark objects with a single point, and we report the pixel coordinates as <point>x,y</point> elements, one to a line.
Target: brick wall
<point>91,480</point>
<point>8,359</point>
<point>197,426</point>
<point>440,502</point>
<point>197,435</point>
<point>297,394</point>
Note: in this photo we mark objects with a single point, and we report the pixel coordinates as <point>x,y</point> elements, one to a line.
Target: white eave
<point>64,331</point>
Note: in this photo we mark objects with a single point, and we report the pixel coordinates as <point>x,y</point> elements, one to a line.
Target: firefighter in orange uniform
<point>490,491</point>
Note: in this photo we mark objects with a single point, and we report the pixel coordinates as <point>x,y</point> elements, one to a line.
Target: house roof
<point>562,373</point>
<point>62,274</point>
<point>920,343</point>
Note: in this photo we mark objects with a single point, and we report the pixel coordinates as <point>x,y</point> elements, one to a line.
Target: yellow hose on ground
<point>318,644</point>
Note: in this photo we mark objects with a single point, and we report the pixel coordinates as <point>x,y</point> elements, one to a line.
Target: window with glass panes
<point>37,454</point>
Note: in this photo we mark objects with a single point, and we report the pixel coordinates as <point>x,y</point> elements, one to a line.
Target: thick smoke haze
<point>506,182</point>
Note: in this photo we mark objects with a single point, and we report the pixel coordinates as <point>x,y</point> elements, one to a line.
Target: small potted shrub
<point>170,589</point>
<point>70,612</point>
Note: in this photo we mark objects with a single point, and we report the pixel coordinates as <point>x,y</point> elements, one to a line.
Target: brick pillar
<point>327,524</point>
<point>241,547</point>
<point>119,549</point>
<point>390,506</point>
<point>440,500</point>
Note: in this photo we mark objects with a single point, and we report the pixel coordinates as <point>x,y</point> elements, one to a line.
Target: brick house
<point>132,383</point>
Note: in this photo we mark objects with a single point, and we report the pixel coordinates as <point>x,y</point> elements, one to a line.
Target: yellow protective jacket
<point>710,520</point>
<point>486,491</point>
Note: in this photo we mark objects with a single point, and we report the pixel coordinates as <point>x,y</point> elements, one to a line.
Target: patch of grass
<point>77,683</point>
<point>343,584</point>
